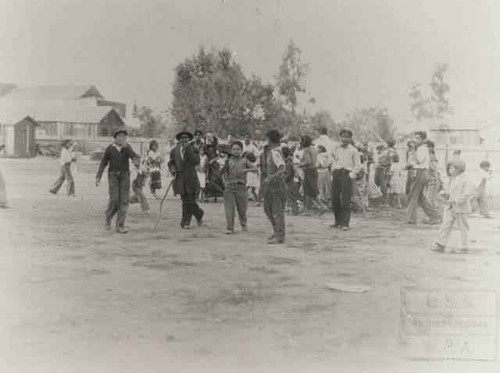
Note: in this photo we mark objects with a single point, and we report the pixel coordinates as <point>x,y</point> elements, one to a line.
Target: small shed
<point>19,137</point>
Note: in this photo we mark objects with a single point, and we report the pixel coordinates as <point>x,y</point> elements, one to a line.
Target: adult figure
<point>324,140</point>
<point>214,184</point>
<point>251,151</point>
<point>417,196</point>
<point>67,158</point>
<point>198,139</point>
<point>183,161</point>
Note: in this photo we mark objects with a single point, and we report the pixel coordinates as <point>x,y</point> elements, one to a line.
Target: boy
<point>234,173</point>
<point>345,167</point>
<point>457,207</point>
<point>117,156</point>
<point>479,200</point>
<point>67,157</point>
<point>273,186</point>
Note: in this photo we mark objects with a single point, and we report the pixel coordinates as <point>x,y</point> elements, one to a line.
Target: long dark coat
<point>186,179</point>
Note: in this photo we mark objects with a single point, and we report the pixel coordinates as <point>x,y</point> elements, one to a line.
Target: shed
<point>19,137</point>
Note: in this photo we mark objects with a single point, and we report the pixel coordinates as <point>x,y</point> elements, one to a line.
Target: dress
<point>324,179</point>
<point>154,168</point>
<point>201,171</point>
<point>398,180</point>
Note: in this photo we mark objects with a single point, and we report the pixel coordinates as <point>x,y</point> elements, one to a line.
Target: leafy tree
<point>152,123</point>
<point>370,124</point>
<point>436,104</point>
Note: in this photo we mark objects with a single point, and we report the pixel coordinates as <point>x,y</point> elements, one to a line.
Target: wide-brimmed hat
<point>120,130</point>
<point>178,136</point>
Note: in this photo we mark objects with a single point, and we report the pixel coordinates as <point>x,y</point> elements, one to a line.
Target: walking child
<point>396,183</point>
<point>67,157</point>
<point>480,200</point>
<point>154,162</point>
<point>292,187</point>
<point>117,157</point>
<point>234,173</point>
<point>457,207</point>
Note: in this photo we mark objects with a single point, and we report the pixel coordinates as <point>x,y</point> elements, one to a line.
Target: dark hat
<point>120,130</point>
<point>178,136</point>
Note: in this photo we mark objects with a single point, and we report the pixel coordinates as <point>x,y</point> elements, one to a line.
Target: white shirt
<point>347,158</point>
<point>422,158</point>
<point>66,155</point>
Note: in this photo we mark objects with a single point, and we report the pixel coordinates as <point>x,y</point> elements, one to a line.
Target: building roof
<point>55,113</point>
<point>47,92</point>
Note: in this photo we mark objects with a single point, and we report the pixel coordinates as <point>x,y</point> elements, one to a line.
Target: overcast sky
<point>361,52</point>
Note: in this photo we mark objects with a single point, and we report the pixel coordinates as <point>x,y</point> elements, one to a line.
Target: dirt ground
<point>77,298</point>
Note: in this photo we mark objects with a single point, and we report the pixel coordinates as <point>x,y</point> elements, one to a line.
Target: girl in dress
<point>324,180</point>
<point>154,162</point>
<point>397,183</point>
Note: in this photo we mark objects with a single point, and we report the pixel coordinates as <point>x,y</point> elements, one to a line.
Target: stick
<point>161,203</point>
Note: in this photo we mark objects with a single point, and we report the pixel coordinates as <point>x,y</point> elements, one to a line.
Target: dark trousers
<point>417,198</point>
<point>119,187</point>
<point>190,208</point>
<point>235,198</point>
<point>274,208</point>
<point>65,174</point>
<point>341,197</point>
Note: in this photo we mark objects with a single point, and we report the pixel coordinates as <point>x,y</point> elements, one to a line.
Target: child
<point>396,182</point>
<point>324,183</point>
<point>138,184</point>
<point>234,173</point>
<point>201,171</point>
<point>273,186</point>
<point>292,190</point>
<point>457,207</point>
<point>117,156</point>
<point>153,163</point>
<point>479,200</point>
<point>67,157</point>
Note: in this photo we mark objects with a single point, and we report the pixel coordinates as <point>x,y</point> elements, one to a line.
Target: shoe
<point>275,240</point>
<point>244,228</point>
<point>335,226</point>
<point>411,222</point>
<point>200,220</point>
<point>345,228</point>
<point>229,231</point>
<point>437,248</point>
<point>271,237</point>
<point>52,191</point>
<point>185,226</point>
<point>121,230</point>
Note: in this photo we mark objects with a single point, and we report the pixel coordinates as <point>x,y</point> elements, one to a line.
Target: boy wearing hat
<point>274,186</point>
<point>184,158</point>
<point>117,157</point>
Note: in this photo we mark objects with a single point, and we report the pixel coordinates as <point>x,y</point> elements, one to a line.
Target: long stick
<point>161,203</point>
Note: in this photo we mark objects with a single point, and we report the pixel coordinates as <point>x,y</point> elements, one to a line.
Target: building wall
<point>455,137</point>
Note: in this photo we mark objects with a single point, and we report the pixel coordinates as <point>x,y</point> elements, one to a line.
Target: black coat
<point>186,179</point>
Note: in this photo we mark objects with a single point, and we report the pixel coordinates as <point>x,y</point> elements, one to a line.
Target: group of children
<point>320,175</point>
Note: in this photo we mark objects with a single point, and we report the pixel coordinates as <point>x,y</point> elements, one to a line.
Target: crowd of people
<point>312,176</point>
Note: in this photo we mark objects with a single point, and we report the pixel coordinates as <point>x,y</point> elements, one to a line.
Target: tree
<point>152,123</point>
<point>436,104</point>
<point>323,119</point>
<point>370,124</point>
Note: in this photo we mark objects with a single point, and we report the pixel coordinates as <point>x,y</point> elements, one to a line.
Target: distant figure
<point>396,189</point>
<point>292,187</point>
<point>480,200</point>
<point>457,207</point>
<point>308,164</point>
<point>3,188</point>
<point>66,158</point>
<point>117,156</point>
<point>138,184</point>
<point>201,171</point>
<point>153,162</point>
<point>323,164</point>
<point>410,161</point>
<point>250,150</point>
<point>455,157</point>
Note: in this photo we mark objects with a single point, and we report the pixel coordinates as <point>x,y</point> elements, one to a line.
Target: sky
<point>360,52</point>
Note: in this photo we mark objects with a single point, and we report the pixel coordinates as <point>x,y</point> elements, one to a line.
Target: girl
<point>234,173</point>
<point>396,183</point>
<point>308,165</point>
<point>154,166</point>
<point>201,170</point>
<point>324,183</point>
<point>67,157</point>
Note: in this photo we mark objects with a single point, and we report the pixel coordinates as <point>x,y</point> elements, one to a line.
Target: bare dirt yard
<point>77,298</point>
